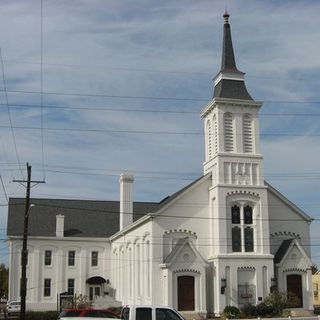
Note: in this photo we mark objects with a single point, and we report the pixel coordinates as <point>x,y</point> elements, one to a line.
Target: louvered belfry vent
<point>228,133</point>
<point>247,134</point>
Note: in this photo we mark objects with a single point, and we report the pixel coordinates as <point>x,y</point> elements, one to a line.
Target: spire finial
<point>226,17</point>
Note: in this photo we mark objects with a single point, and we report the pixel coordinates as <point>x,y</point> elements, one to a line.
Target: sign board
<point>66,301</point>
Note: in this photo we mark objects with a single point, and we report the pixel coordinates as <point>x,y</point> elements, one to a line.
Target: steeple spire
<point>228,62</point>
<point>229,83</point>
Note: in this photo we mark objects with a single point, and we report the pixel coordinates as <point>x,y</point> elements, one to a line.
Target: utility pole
<point>24,253</point>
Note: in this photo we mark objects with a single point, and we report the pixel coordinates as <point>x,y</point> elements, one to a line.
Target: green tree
<point>4,280</point>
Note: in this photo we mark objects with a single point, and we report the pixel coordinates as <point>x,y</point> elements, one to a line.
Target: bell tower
<point>231,123</point>
<point>238,204</point>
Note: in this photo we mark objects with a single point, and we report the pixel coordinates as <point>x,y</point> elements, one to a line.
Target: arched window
<point>247,213</point>
<point>235,214</point>
<point>228,132</point>
<point>242,228</point>
<point>247,134</point>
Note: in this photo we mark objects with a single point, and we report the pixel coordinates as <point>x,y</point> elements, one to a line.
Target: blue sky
<point>106,57</point>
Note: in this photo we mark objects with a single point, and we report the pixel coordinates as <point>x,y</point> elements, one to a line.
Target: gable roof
<point>181,243</point>
<point>166,201</point>
<point>83,218</point>
<point>285,248</point>
<point>288,202</point>
<point>282,250</point>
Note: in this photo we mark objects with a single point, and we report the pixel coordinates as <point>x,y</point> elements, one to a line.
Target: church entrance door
<point>294,287</point>
<point>186,293</point>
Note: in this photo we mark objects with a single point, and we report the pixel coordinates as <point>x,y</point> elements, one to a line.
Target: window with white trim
<point>47,257</point>
<point>70,289</point>
<point>242,228</point>
<point>71,257</point>
<point>47,288</point>
<point>94,258</point>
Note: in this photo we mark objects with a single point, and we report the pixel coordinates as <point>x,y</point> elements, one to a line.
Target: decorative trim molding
<point>187,270</point>
<point>295,270</point>
<point>180,230</point>
<point>254,194</point>
<point>246,268</point>
<point>285,233</point>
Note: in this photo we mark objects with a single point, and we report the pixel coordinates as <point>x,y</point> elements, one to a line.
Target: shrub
<point>231,312</point>
<point>81,301</point>
<point>249,310</point>
<point>41,315</point>
<point>278,301</point>
<point>264,310</point>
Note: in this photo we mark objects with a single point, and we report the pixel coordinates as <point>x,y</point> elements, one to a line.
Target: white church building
<point>227,238</point>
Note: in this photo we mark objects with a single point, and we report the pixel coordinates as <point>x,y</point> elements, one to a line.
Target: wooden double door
<point>186,293</point>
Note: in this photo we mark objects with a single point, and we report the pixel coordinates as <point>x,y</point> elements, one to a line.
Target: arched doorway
<point>294,287</point>
<point>95,285</point>
<point>186,293</point>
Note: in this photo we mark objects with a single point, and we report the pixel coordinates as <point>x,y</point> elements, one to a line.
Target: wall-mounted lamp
<point>223,283</point>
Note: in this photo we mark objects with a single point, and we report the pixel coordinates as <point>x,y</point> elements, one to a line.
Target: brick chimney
<point>126,199</point>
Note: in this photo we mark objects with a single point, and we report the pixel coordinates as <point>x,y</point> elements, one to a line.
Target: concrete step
<point>301,313</point>
<point>192,315</point>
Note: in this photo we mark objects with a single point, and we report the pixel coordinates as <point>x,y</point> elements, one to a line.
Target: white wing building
<point>225,239</point>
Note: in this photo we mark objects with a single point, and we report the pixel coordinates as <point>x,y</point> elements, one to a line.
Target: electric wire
<point>179,133</point>
<point>41,87</point>
<point>121,109</point>
<point>4,189</point>
<point>97,95</point>
<point>152,70</point>
<point>9,114</point>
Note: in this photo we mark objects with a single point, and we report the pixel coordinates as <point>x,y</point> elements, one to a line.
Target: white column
<point>309,289</point>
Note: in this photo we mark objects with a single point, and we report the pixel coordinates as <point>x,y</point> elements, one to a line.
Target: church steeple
<point>228,62</point>
<point>229,83</point>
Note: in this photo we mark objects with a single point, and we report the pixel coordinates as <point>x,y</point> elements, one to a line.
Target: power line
<point>41,86</point>
<point>4,189</point>
<point>194,133</point>
<point>147,97</point>
<point>282,178</point>
<point>141,214</point>
<point>185,112</point>
<point>155,174</point>
<point>151,70</point>
<point>9,113</point>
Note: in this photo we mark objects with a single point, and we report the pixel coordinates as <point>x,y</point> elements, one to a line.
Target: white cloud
<point>159,49</point>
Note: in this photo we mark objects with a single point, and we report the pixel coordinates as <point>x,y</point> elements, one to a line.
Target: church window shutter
<point>228,132</point>
<point>209,139</point>
<point>215,135</point>
<point>247,134</point>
